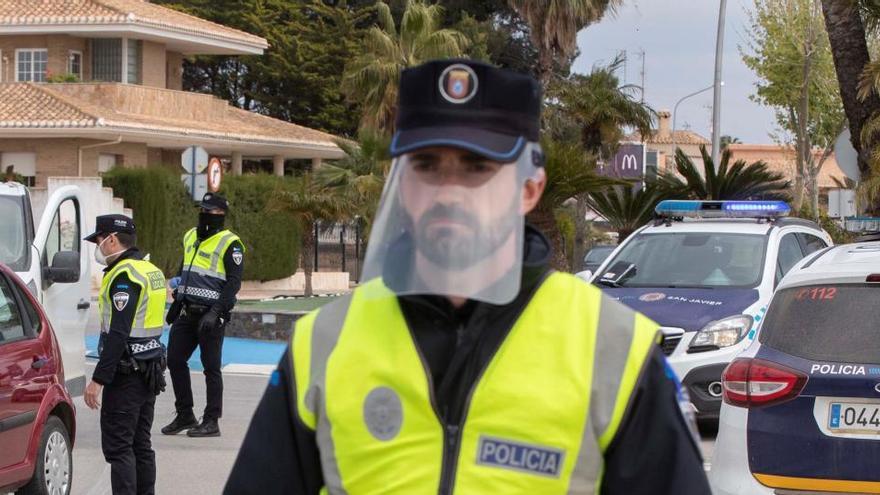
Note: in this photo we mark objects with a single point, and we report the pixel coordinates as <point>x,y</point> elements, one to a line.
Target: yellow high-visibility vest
<point>150,312</point>
<point>204,272</point>
<point>538,420</point>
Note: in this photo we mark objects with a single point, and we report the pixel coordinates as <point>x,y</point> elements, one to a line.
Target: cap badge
<point>458,83</point>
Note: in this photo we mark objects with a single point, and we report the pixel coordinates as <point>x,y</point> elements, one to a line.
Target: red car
<point>37,416</point>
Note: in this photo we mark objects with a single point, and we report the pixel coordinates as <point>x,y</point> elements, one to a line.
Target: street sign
<point>201,185</point>
<point>215,174</point>
<point>194,159</point>
<point>628,163</point>
<point>846,156</point>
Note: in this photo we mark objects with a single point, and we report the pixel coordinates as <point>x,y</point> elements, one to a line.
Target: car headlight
<point>721,333</point>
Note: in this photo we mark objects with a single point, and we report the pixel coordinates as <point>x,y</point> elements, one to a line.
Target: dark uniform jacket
<point>655,451</point>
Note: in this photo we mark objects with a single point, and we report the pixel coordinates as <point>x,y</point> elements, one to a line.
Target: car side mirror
<point>65,268</point>
<point>585,275</point>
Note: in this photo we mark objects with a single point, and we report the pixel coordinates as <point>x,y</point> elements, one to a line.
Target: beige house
<point>129,110</point>
<point>782,159</point>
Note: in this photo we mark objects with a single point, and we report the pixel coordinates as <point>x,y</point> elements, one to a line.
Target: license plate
<point>851,417</point>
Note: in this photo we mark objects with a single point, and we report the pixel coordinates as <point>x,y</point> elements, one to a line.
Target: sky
<point>678,38</point>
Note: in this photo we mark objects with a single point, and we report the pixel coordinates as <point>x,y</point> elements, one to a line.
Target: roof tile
<point>77,12</point>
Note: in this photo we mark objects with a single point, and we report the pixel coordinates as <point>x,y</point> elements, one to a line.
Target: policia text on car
<point>464,364</point>
<point>210,277</point>
<point>131,367</point>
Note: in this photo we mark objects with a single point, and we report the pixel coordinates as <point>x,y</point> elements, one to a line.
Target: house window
<point>106,162</point>
<point>133,60</point>
<point>74,64</point>
<point>30,64</point>
<point>23,164</point>
<point>107,60</point>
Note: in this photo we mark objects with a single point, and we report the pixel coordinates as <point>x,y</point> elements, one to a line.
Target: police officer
<point>210,277</point>
<point>465,364</point>
<point>131,363</point>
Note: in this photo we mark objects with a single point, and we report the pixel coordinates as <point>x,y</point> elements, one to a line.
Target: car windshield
<point>13,236</point>
<point>831,322</point>
<point>695,259</point>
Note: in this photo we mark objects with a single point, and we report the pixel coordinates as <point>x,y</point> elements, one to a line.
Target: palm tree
<point>358,178</point>
<point>600,109</point>
<point>570,172</point>
<point>728,140</point>
<point>625,207</point>
<point>372,78</point>
<point>307,203</point>
<point>554,24</point>
<point>603,108</point>
<point>740,180</point>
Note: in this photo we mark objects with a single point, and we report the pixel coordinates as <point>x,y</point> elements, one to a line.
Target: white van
<point>52,261</point>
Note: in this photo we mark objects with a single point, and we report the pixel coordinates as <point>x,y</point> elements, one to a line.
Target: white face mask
<point>104,259</point>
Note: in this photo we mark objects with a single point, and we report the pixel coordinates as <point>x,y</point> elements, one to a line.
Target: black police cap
<point>211,201</point>
<point>467,104</point>
<point>109,224</point>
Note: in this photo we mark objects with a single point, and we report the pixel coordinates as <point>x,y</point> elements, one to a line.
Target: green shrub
<point>272,239</point>
<point>163,211</point>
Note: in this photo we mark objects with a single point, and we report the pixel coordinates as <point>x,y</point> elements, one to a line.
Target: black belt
<point>195,309</point>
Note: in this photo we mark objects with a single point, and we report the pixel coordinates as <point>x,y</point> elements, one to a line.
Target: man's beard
<point>450,248</point>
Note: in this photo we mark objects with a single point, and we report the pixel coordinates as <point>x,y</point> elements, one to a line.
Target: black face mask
<point>209,224</point>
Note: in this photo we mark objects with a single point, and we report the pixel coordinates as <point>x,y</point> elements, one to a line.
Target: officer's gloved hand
<point>173,312</point>
<point>210,321</point>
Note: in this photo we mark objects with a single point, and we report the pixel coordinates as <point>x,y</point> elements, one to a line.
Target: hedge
<point>272,239</point>
<point>163,212</point>
<point>162,209</point>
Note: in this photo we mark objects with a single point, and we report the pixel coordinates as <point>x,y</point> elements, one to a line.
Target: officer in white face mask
<point>130,370</point>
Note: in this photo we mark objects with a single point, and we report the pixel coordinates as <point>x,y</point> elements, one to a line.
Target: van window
<point>789,254</point>
<point>64,233</point>
<point>13,234</point>
<point>812,243</point>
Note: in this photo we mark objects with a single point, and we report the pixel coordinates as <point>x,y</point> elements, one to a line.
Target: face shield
<point>450,223</point>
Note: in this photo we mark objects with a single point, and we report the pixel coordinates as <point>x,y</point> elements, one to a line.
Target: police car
<point>801,409</point>
<point>705,271</point>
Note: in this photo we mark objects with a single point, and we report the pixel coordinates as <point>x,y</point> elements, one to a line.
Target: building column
<point>278,165</point>
<point>236,163</point>
<point>316,163</point>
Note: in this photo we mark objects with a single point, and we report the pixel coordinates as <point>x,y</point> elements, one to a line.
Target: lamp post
<point>716,101</point>
<point>675,108</point>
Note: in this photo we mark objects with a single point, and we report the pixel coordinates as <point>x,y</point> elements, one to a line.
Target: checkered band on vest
<point>205,293</point>
<point>143,347</point>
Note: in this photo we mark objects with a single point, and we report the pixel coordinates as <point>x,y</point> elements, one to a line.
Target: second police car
<point>705,271</point>
<point>801,411</point>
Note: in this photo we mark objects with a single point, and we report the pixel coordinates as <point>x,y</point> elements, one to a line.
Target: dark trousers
<point>181,345</point>
<point>126,420</point>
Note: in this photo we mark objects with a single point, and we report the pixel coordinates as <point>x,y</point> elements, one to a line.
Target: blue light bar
<point>722,209</point>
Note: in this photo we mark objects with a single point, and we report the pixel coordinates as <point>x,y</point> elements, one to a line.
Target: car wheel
<point>54,469</point>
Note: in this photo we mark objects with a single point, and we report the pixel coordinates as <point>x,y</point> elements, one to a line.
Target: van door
<point>65,279</point>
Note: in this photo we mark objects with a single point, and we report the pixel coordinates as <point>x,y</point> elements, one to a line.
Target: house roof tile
<point>136,12</point>
<point>29,106</point>
<point>677,137</point>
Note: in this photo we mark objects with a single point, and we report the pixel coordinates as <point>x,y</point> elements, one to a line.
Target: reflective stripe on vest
<point>150,313</point>
<point>538,419</point>
<point>204,273</point>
